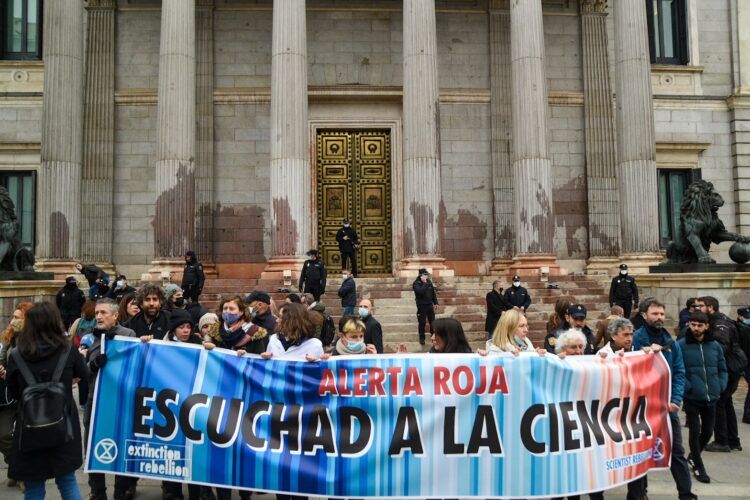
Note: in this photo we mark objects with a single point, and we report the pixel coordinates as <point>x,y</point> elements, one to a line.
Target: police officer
<point>313,277</point>
<point>425,296</point>
<point>576,318</point>
<point>348,241</point>
<point>517,296</point>
<point>623,291</point>
<point>192,277</point>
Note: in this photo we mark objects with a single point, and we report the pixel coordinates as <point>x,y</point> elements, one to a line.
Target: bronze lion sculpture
<point>699,226</point>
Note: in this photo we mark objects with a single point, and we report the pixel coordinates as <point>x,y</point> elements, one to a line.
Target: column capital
<point>593,7</point>
<point>100,4</point>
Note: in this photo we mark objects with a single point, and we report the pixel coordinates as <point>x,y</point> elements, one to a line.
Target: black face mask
<point>179,302</point>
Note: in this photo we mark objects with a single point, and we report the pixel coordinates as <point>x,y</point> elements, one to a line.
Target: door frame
<point>397,186</point>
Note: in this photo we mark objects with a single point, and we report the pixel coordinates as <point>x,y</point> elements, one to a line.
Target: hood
<point>318,307</point>
<point>45,351</point>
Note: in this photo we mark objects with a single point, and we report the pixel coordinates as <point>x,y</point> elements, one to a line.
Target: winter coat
<point>118,293</point>
<point>424,293</point>
<point>266,321</point>
<point>92,273</point>
<point>193,277</point>
<point>551,339</point>
<point>142,326</point>
<point>496,305</point>
<point>196,311</point>
<point>705,369</point>
<point>297,351</point>
<point>373,333</point>
<point>647,335</point>
<point>254,340</point>
<point>69,300</point>
<point>517,297</point>
<point>347,246</point>
<point>314,274</point>
<point>348,293</point>
<point>48,463</point>
<point>623,289</point>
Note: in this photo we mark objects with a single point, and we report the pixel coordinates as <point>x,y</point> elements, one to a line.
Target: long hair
<point>244,311</point>
<point>295,322</point>
<point>9,335</point>
<point>451,332</point>
<point>602,337</point>
<point>557,318</point>
<point>88,311</point>
<point>125,301</point>
<point>42,326</point>
<point>506,328</point>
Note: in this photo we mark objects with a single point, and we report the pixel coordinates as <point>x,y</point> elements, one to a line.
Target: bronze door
<point>354,181</point>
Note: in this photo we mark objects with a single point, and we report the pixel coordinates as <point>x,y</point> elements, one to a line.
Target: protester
<point>237,331</point>
<point>348,242</point>
<point>120,288</point>
<point>685,314</point>
<point>618,336</point>
<point>45,353</point>
<point>743,329</point>
<point>576,319</point>
<point>705,380</point>
<point>653,332</point>
<point>193,277</point>
<point>94,276</point>
<point>128,308</point>
<point>348,293</point>
<point>617,311</point>
<point>7,403</point>
<point>80,328</point>
<point>152,320</point>
<point>293,298</point>
<point>638,318</point>
<point>351,339</point>
<point>174,297</point>
<point>208,322</point>
<point>623,291</point>
<point>69,300</point>
<point>557,319</point>
<point>259,305</point>
<point>107,326</point>
<point>517,296</point>
<point>724,331</point>
<point>448,337</point>
<point>313,277</point>
<point>373,330</point>
<point>511,334</point>
<point>602,337</point>
<point>295,336</point>
<point>496,305</point>
<point>425,296</point>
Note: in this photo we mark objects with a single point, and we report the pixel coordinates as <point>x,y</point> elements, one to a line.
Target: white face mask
<point>344,276</point>
<point>624,273</point>
<point>346,225</point>
<point>516,284</point>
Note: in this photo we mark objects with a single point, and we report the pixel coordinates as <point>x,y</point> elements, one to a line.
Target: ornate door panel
<point>354,181</point>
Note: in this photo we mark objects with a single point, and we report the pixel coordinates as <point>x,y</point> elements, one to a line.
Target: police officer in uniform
<point>517,296</point>
<point>313,277</point>
<point>193,278</point>
<point>348,241</point>
<point>576,318</point>
<point>623,291</point>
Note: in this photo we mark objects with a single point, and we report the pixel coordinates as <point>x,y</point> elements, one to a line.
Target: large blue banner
<point>393,425</point>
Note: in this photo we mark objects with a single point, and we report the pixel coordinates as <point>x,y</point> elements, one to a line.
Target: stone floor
<point>728,471</point>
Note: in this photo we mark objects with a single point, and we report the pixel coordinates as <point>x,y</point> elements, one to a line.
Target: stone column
<point>740,108</point>
<point>636,147</point>
<point>97,200</point>
<point>421,160</point>
<point>290,163</point>
<point>501,120</point>
<point>204,158</point>
<point>59,219</point>
<point>174,224</point>
<point>532,167</point>
<point>601,180</point>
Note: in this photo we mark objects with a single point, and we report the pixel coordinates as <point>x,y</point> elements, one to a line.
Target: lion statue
<point>699,226</point>
<point>13,256</point>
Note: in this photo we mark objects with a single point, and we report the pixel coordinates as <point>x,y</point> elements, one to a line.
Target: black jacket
<point>92,273</point>
<point>623,288</point>
<point>348,293</point>
<point>551,339</point>
<point>313,274</point>
<point>723,330</point>
<point>69,300</point>
<point>141,326</point>
<point>51,462</point>
<point>424,293</point>
<point>373,333</point>
<point>347,246</point>
<point>196,310</point>
<point>193,277</point>
<point>496,304</point>
<point>118,293</point>
<point>517,297</point>
<point>267,321</point>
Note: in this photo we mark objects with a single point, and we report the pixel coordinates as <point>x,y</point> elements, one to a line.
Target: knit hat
<point>207,319</point>
<point>180,317</point>
<point>170,290</point>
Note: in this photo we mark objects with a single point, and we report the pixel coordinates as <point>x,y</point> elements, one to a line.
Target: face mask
<point>516,284</point>
<point>346,225</point>
<point>251,311</point>
<point>230,318</point>
<point>746,321</point>
<point>176,339</point>
<point>120,284</point>
<point>17,325</point>
<point>344,277</point>
<point>355,346</point>
<point>309,257</point>
<point>179,302</point>
<point>363,312</point>
<point>624,273</point>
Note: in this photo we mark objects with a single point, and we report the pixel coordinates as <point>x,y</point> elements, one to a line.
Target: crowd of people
<point>60,344</point>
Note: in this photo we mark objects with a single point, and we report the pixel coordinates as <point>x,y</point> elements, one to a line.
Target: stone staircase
<point>461,297</point>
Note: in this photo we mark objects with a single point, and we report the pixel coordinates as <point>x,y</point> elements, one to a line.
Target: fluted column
<point>62,132</point>
<point>601,180</point>
<point>421,160</point>
<point>97,201</point>
<point>204,158</point>
<point>290,164</point>
<point>501,120</point>
<point>636,148</point>
<point>532,166</point>
<point>174,224</point>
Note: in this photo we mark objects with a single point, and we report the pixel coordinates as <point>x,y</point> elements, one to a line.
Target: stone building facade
<point>471,136</point>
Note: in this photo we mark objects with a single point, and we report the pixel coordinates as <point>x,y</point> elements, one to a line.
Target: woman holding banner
<point>237,331</point>
<point>511,335</point>
<point>448,337</point>
<point>295,336</point>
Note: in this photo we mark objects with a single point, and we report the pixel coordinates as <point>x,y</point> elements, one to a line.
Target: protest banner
<point>380,426</point>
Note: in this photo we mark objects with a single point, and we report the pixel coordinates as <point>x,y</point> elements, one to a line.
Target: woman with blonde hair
<point>511,334</point>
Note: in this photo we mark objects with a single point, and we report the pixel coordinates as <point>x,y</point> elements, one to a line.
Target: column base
<point>410,266</point>
<point>285,269</point>
<point>60,268</point>
<point>165,271</point>
<point>639,263</point>
<point>533,265</point>
<point>603,265</point>
<point>500,266</point>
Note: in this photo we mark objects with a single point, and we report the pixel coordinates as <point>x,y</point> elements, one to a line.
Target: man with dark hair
<point>654,334</point>
<point>638,320</point>
<point>348,241</point>
<point>120,288</point>
<point>426,298</point>
<point>496,306</point>
<point>152,320</point>
<point>259,304</point>
<point>94,275</point>
<point>574,318</point>
<point>313,277</point>
<point>70,300</point>
<point>193,277</point>
<point>623,291</point>
<point>685,313</point>
<point>724,331</point>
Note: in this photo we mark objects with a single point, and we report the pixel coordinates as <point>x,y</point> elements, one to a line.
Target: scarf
<point>344,350</point>
<point>286,344</point>
<point>231,335</point>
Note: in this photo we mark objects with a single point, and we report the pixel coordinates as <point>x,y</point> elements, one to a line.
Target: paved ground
<point>730,475</point>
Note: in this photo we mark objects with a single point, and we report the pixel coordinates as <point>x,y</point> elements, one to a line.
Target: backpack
<point>328,331</point>
<point>44,419</point>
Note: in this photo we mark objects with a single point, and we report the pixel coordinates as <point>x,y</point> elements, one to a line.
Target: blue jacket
<point>705,368</point>
<point>348,293</point>
<point>672,354</point>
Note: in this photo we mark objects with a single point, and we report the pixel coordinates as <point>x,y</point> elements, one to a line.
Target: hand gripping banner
<point>385,426</point>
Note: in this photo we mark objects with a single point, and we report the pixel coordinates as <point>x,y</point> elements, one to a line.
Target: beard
<point>658,324</point>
